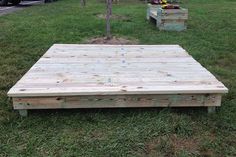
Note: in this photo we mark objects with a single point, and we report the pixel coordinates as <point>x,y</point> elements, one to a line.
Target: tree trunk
<point>108,17</point>
<point>110,7</point>
<point>83,2</point>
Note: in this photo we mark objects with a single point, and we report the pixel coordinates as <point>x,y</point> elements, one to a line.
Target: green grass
<point>210,38</point>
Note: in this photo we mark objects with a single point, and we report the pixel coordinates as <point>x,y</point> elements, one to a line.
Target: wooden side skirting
<point>116,101</point>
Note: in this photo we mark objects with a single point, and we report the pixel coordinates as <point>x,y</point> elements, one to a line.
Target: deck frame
<point>122,101</point>
<point>108,101</point>
<point>116,76</point>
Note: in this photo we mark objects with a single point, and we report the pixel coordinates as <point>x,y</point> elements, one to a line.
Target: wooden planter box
<point>172,19</point>
<point>152,10</point>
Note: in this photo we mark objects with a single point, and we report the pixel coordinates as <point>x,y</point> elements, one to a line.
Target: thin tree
<point>83,2</point>
<point>108,18</point>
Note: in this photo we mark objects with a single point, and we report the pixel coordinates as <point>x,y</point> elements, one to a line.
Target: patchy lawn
<point>210,38</point>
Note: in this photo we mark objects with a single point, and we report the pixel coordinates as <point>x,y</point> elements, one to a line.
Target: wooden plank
<point>173,25</point>
<point>102,46</point>
<point>60,48</point>
<point>113,90</point>
<point>101,85</point>
<point>121,79</point>
<point>152,10</point>
<point>116,54</point>
<point>176,100</point>
<point>76,60</point>
<point>173,11</point>
<point>153,14</point>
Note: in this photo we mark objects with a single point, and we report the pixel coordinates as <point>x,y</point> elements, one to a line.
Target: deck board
<point>72,70</point>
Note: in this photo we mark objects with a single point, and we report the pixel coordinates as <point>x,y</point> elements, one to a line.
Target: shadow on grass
<point>111,111</point>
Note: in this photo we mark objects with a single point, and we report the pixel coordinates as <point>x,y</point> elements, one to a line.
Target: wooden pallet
<point>168,19</point>
<point>105,76</point>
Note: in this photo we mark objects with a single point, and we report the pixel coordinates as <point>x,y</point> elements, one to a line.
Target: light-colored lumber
<point>111,101</point>
<point>152,9</point>
<point>92,76</point>
<point>106,69</point>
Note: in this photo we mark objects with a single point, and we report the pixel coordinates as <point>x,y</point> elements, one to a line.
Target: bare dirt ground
<point>112,41</point>
<point>114,17</point>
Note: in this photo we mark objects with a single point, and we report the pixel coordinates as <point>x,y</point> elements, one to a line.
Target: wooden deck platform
<point>104,76</point>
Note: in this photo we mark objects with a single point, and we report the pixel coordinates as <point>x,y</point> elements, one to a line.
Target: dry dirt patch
<point>112,41</point>
<point>114,17</point>
<point>171,145</point>
<point>189,144</point>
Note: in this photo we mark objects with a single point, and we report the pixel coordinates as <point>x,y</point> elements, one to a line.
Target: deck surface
<point>74,70</point>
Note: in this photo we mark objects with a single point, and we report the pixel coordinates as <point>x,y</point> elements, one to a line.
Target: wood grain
<point>73,70</point>
<point>106,101</point>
